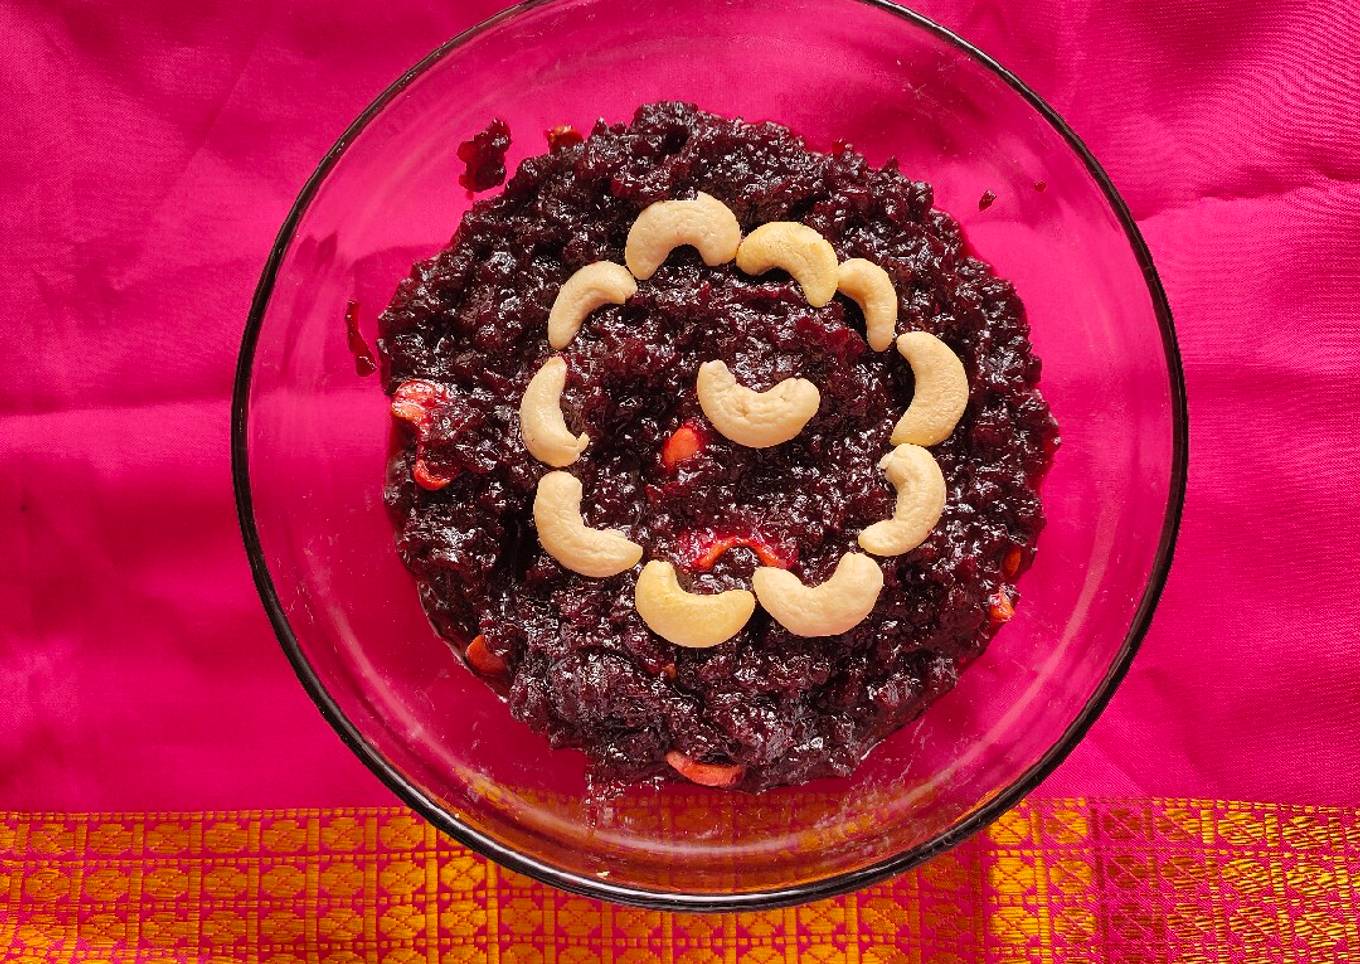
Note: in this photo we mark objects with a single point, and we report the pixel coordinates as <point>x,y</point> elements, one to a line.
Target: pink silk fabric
<point>149,151</point>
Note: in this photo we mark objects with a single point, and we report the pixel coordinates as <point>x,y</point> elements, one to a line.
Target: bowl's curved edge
<point>828,887</point>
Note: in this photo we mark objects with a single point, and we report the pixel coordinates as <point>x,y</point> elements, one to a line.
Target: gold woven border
<point>1054,881</point>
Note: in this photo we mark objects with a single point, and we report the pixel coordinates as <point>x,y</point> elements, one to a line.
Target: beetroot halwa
<point>466,332</point>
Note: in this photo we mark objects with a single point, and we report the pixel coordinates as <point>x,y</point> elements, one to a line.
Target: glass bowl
<point>310,441</point>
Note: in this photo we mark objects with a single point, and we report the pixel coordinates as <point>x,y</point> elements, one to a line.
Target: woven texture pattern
<point>1174,880</point>
<point>150,153</point>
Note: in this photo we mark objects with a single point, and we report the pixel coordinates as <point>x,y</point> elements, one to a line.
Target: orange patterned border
<point>1054,880</point>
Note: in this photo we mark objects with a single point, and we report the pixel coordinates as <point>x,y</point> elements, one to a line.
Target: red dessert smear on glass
<point>363,355</point>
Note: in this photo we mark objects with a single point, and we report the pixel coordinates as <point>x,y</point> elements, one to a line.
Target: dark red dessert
<point>483,157</point>
<point>576,660</point>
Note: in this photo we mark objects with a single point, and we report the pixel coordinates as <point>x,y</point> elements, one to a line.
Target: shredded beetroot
<point>483,157</point>
<point>581,666</point>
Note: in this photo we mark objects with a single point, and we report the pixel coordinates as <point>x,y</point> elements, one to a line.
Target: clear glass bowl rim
<point>889,865</point>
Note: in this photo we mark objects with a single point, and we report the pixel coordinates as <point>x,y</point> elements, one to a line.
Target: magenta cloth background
<point>149,151</point>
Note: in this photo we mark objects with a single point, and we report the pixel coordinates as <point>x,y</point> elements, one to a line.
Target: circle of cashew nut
<point>601,283</point>
<point>545,431</point>
<point>872,289</point>
<point>826,610</point>
<point>590,552</point>
<point>689,619</point>
<point>920,486</point>
<point>747,417</point>
<point>941,390</point>
<point>799,250</point>
<point>755,419</point>
<point>703,222</point>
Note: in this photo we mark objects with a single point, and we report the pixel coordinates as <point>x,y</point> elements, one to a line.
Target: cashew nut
<point>941,390</point>
<point>545,431</point>
<point>601,283</point>
<point>685,618</point>
<point>591,552</point>
<point>757,420</point>
<point>826,610</point>
<point>916,475</point>
<point>799,250</point>
<point>872,289</point>
<point>704,222</point>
